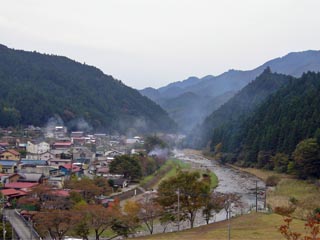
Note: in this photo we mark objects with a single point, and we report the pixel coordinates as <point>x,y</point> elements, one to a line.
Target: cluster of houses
<point>26,163</point>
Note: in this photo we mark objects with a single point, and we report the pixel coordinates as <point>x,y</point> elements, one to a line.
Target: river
<point>231,180</point>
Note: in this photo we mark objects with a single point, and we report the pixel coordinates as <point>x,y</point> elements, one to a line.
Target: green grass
<point>176,164</point>
<point>214,180</point>
<point>172,166</point>
<point>246,227</point>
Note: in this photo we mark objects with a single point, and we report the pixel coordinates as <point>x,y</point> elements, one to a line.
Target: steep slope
<point>35,87</point>
<point>238,107</point>
<point>293,64</point>
<point>287,117</point>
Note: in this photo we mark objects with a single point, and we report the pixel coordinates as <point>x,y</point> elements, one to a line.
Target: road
<point>20,226</point>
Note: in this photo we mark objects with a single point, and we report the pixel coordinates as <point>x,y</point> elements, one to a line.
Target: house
<point>60,131</point>
<point>11,194</point>
<point>82,153</point>
<point>62,145</point>
<point>44,156</point>
<point>24,186</point>
<point>120,182</point>
<point>102,171</point>
<point>78,141</point>
<point>138,151</point>
<point>32,163</point>
<point>56,162</point>
<point>61,153</point>
<point>47,171</point>
<point>3,177</point>
<point>38,148</point>
<point>131,141</point>
<point>8,166</point>
<point>12,178</point>
<point>31,177</point>
<point>76,134</point>
<point>70,169</point>
<point>10,154</point>
<point>4,145</point>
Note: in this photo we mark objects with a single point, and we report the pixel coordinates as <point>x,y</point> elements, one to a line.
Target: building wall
<point>9,156</point>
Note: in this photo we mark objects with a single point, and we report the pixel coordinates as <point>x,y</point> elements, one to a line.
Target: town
<point>59,164</point>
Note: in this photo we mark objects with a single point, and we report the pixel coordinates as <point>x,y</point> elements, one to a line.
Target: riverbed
<point>231,180</point>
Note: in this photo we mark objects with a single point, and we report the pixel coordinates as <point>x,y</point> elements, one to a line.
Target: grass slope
<point>246,227</point>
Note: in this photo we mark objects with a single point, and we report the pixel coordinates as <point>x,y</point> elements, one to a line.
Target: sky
<point>150,43</point>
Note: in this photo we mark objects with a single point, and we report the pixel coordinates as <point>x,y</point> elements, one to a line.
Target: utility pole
<point>256,196</point>
<point>229,225</point>
<point>3,220</point>
<point>178,209</point>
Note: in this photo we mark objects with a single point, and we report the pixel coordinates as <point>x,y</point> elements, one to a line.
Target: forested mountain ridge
<point>35,87</point>
<point>285,126</point>
<point>210,87</point>
<point>238,107</point>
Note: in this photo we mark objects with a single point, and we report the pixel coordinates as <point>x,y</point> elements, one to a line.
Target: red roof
<point>62,144</point>
<point>4,144</point>
<point>73,168</point>
<point>19,185</point>
<point>13,152</point>
<point>12,192</point>
<point>61,193</point>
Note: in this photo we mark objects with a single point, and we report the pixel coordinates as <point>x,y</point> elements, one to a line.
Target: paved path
<point>20,225</point>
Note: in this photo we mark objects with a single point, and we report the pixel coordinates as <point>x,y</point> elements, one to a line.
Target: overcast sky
<point>155,42</point>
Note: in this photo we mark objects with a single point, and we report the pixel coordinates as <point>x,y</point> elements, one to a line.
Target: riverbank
<point>298,197</point>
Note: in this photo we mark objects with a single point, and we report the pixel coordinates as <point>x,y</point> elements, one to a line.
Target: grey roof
<point>31,177</point>
<point>34,162</point>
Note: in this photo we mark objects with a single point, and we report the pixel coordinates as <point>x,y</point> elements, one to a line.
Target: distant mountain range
<point>207,94</point>
<point>237,109</point>
<point>36,87</point>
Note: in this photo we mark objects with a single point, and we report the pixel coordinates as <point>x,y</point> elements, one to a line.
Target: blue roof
<point>34,162</point>
<point>8,162</point>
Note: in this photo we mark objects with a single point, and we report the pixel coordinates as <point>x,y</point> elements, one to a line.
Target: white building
<point>39,148</point>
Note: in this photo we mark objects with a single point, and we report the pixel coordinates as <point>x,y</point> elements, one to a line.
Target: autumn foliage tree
<point>96,217</point>
<point>213,205</point>
<point>191,190</point>
<point>55,222</point>
<point>312,227</point>
<point>88,187</point>
<point>149,211</point>
<point>128,221</point>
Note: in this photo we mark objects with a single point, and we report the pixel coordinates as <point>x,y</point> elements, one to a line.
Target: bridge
<point>22,229</point>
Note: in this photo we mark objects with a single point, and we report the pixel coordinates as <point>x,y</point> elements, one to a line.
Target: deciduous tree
<point>191,191</point>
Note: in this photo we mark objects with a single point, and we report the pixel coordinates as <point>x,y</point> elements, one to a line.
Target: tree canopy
<point>36,87</point>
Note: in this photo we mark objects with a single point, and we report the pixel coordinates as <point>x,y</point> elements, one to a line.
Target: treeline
<point>36,87</point>
<point>282,133</point>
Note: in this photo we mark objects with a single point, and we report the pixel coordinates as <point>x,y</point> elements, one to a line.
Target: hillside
<point>36,87</point>
<point>209,87</point>
<point>229,115</point>
<point>286,118</point>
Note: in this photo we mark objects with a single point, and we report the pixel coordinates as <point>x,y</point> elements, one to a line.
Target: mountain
<point>237,108</point>
<point>285,118</point>
<point>209,87</point>
<point>36,87</point>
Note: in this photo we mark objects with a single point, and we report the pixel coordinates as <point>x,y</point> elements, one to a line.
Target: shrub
<point>272,181</point>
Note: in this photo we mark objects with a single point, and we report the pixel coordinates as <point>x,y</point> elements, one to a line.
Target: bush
<point>284,210</point>
<point>272,181</point>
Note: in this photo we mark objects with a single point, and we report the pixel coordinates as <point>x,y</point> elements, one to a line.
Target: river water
<point>231,180</point>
